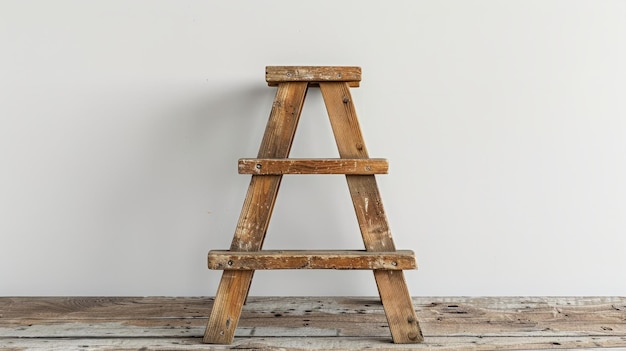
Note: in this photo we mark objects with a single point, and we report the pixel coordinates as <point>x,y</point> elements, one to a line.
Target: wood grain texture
<point>370,213</point>
<point>312,323</point>
<point>312,259</point>
<point>256,212</point>
<point>313,74</point>
<point>477,343</point>
<point>313,166</point>
<point>240,262</point>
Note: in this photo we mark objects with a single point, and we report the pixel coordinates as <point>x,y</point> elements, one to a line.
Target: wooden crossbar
<point>313,166</point>
<point>312,259</point>
<point>312,74</point>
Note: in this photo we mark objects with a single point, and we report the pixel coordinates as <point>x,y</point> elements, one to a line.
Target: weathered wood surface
<point>370,213</point>
<point>313,166</point>
<point>311,323</point>
<point>256,212</point>
<point>312,259</point>
<point>313,74</point>
<point>293,82</point>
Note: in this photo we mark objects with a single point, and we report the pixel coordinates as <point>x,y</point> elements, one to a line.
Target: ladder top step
<point>313,74</point>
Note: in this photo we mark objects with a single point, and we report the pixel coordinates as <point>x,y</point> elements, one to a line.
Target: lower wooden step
<point>312,259</point>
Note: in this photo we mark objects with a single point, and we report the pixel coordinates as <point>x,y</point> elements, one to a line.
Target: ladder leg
<point>401,316</point>
<point>370,214</point>
<point>392,288</point>
<point>256,212</point>
<point>226,310</point>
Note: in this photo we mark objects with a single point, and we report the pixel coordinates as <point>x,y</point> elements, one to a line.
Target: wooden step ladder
<point>245,254</point>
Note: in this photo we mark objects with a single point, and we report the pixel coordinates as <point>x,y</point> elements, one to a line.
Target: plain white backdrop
<point>121,123</point>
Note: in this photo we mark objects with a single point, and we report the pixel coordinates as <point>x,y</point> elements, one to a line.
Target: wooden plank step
<point>312,259</point>
<point>363,166</point>
<point>313,74</point>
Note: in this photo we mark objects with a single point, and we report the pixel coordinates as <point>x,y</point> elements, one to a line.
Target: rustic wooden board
<point>256,212</point>
<point>313,166</point>
<point>312,259</point>
<point>312,323</point>
<point>317,343</point>
<point>441,316</point>
<point>313,74</point>
<point>370,213</point>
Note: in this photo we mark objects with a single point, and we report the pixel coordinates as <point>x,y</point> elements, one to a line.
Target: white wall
<point>121,123</point>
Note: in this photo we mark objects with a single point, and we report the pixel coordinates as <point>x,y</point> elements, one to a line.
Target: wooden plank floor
<point>311,323</point>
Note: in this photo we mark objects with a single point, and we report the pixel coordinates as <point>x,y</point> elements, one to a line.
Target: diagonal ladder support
<point>370,214</point>
<point>256,212</point>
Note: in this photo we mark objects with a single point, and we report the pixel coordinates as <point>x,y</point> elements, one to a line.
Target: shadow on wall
<point>233,128</point>
<point>221,129</point>
<point>230,125</point>
<point>171,190</point>
<point>172,193</point>
<point>225,128</point>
